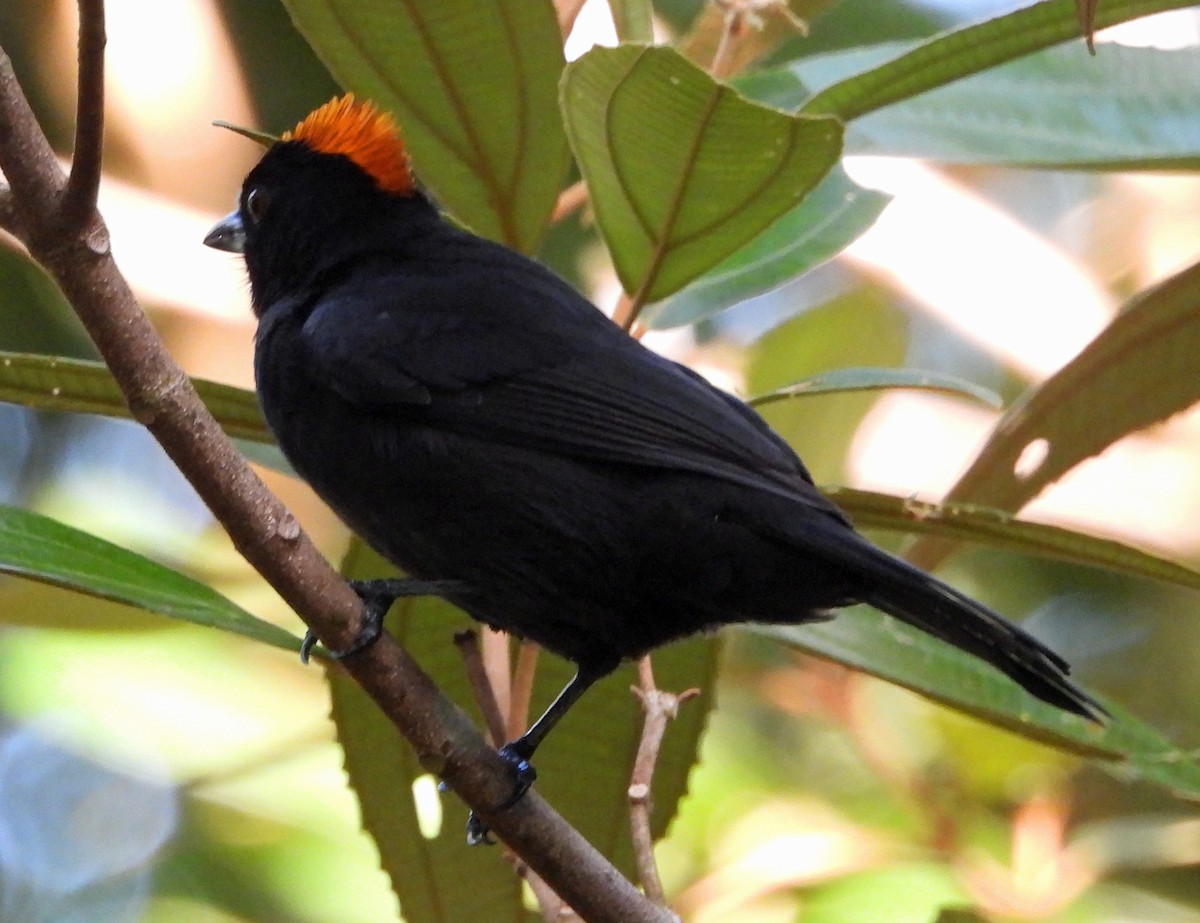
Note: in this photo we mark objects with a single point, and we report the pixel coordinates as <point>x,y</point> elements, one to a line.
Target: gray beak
<point>227,234</point>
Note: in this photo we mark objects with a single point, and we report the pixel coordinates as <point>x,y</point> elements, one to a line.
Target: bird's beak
<point>228,234</point>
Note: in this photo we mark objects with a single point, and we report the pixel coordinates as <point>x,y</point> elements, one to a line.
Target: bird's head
<point>321,191</point>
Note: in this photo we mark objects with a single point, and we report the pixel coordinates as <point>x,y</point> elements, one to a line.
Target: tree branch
<point>660,707</point>
<point>79,201</point>
<point>264,532</point>
<point>481,687</point>
<point>28,162</point>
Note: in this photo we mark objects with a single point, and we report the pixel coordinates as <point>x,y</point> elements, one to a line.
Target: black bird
<point>485,428</point>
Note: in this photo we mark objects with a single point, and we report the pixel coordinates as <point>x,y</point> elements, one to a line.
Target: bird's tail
<point>913,596</point>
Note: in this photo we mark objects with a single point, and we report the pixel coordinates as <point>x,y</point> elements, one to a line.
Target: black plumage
<point>478,421</point>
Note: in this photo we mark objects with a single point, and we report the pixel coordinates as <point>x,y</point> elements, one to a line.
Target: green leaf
<point>35,316</point>
<point>876,379</point>
<point>881,646</point>
<point>999,529</point>
<point>830,218</point>
<point>960,915</point>
<point>84,386</point>
<point>583,769</point>
<point>1140,370</point>
<point>474,86</point>
<point>683,171</point>
<point>42,549</point>
<point>969,50</point>
<point>1025,112</point>
<point>912,890</point>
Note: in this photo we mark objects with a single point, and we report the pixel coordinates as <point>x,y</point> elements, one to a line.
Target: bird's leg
<point>518,753</point>
<point>378,596</point>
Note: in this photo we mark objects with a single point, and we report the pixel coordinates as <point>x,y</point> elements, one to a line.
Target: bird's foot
<point>524,776</point>
<point>377,597</point>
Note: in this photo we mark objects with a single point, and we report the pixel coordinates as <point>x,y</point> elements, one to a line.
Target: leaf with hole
<point>1140,370</point>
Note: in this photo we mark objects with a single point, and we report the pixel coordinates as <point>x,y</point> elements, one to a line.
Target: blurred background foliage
<point>821,794</point>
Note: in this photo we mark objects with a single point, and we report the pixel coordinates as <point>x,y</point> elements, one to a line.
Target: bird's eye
<point>257,202</point>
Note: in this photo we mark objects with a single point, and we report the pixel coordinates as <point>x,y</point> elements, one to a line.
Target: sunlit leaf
<point>1140,370</point>
<point>874,379</point>
<point>1025,112</point>
<point>39,548</point>
<point>970,50</point>
<point>830,218</point>
<point>682,170</point>
<point>474,84</point>
<point>912,891</point>
<point>583,769</point>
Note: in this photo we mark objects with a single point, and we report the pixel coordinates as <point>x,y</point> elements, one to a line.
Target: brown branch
<point>496,653</point>
<point>266,534</point>
<point>28,162</point>
<point>79,201</point>
<point>554,909</point>
<point>721,65</point>
<point>570,200</point>
<point>481,686</point>
<point>660,707</point>
<point>522,689</point>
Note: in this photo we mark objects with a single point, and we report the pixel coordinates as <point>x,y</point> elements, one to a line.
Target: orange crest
<point>361,132</point>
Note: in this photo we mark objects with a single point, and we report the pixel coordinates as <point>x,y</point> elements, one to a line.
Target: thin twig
<point>497,664</point>
<point>33,173</point>
<point>570,200</point>
<point>625,312</point>
<point>721,65</point>
<point>267,535</point>
<point>467,643</point>
<point>660,707</point>
<point>83,186</point>
<point>522,689</point>
<point>552,907</point>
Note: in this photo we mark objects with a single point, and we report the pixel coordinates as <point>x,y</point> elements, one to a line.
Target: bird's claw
<point>377,597</point>
<point>367,635</point>
<point>524,776</point>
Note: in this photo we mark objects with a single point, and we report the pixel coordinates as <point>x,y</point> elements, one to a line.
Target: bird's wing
<point>544,370</point>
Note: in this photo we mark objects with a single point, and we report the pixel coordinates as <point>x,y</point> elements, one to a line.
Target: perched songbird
<point>488,430</point>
